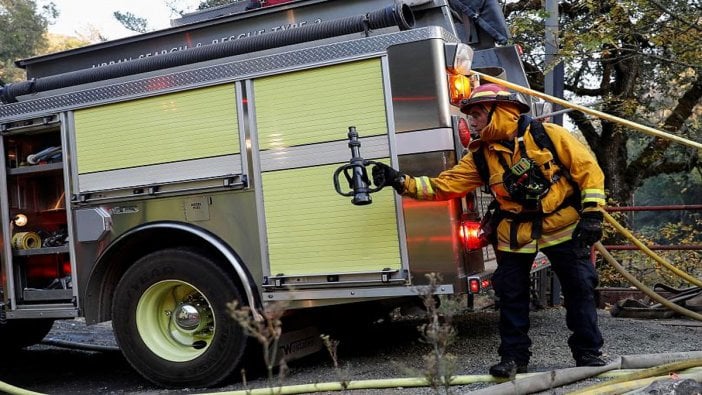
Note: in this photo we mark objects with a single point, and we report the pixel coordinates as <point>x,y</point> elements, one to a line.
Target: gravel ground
<point>395,349</point>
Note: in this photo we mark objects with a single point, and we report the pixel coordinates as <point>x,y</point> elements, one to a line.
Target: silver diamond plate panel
<point>232,70</point>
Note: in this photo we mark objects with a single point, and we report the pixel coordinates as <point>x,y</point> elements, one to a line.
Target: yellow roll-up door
<point>199,123</point>
<point>310,228</point>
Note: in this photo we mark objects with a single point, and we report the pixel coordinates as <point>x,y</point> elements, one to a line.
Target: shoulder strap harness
<point>543,141</point>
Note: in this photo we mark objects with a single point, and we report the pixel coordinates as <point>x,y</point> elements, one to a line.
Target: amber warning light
<point>459,88</point>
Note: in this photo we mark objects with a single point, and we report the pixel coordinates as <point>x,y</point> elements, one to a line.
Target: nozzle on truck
<point>356,173</point>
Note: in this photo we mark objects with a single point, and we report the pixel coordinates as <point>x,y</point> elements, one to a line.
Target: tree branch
<point>521,5</point>
<point>586,127</point>
<point>652,160</point>
<point>674,16</point>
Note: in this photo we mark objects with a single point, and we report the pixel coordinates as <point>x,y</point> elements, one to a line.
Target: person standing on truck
<point>548,196</point>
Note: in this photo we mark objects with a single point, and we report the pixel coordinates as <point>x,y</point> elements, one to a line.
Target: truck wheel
<point>171,321</point>
<point>16,334</point>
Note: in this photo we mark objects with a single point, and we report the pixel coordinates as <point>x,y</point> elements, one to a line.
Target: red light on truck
<point>464,132</point>
<point>485,284</point>
<point>469,235</point>
<point>474,285</point>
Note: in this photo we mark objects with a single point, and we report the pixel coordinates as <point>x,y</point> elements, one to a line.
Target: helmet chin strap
<point>490,112</point>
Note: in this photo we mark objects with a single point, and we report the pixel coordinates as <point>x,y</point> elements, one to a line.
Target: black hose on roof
<point>398,15</point>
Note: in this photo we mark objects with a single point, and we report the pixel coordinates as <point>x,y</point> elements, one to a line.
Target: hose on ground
<point>625,387</point>
<point>12,390</point>
<point>546,381</point>
<point>77,345</point>
<point>524,383</point>
<point>648,291</point>
<point>641,374</point>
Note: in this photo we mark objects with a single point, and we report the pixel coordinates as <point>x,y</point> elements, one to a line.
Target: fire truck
<point>151,180</point>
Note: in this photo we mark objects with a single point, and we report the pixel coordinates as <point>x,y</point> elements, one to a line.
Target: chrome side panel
<point>163,173</point>
<point>432,227</point>
<point>426,146</point>
<point>419,85</point>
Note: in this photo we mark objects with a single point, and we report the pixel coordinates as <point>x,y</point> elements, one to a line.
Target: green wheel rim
<point>160,319</point>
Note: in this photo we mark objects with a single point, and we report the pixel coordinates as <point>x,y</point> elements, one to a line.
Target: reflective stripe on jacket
<point>558,219</point>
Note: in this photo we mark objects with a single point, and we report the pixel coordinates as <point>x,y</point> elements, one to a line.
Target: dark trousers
<point>578,279</point>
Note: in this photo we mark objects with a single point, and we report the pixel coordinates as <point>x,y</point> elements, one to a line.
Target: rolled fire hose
<point>34,159</point>
<point>648,291</point>
<point>26,240</point>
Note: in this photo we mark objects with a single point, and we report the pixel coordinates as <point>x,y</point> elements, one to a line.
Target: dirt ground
<point>387,350</point>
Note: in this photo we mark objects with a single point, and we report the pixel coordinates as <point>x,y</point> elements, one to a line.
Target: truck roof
<point>211,26</point>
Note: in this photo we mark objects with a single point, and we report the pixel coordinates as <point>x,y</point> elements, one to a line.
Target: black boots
<point>507,368</point>
<point>589,360</point>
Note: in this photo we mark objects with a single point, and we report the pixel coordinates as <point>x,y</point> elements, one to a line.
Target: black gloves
<point>384,175</point>
<point>589,230</point>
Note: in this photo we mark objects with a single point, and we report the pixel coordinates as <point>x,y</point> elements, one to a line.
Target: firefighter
<point>548,200</point>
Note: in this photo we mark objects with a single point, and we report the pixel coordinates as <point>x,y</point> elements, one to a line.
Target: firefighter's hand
<point>589,230</point>
<point>384,175</point>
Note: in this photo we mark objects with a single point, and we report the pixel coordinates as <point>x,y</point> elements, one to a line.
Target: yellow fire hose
<point>404,382</point>
<point>648,291</point>
<point>412,382</point>
<point>638,375</point>
<point>642,246</point>
<point>626,387</point>
<point>26,240</point>
<point>12,390</point>
<point>599,114</point>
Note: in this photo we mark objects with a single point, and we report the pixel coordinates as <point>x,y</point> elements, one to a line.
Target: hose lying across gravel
<point>654,364</point>
<point>77,345</point>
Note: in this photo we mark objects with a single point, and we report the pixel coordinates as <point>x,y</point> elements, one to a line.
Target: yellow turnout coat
<point>559,219</point>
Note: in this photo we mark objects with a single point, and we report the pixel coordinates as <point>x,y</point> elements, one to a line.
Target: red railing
<point>680,247</point>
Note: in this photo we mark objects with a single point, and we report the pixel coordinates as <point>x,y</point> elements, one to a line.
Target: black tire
<point>169,351</point>
<point>17,334</point>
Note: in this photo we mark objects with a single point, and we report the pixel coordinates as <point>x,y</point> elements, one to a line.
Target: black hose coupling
<point>10,92</point>
<point>399,15</point>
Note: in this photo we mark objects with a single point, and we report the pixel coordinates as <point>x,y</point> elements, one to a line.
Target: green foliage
<point>642,60</point>
<point>132,22</point>
<point>205,4</point>
<point>22,34</point>
<point>645,268</point>
<point>673,189</point>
